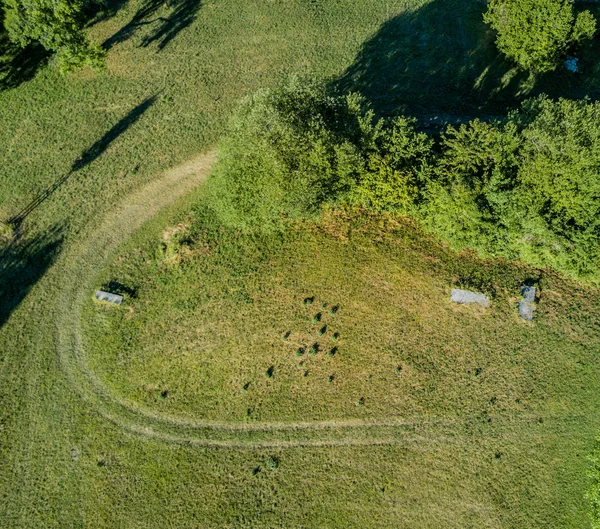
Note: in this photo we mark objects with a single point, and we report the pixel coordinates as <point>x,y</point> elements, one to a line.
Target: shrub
<point>272,463</point>
<point>536,34</point>
<point>287,151</point>
<point>291,150</point>
<point>525,189</point>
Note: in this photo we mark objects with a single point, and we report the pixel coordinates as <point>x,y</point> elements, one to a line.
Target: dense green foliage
<point>526,188</point>
<point>292,149</point>
<point>57,26</point>
<point>536,34</point>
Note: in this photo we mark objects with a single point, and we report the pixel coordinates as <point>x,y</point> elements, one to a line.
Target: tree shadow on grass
<point>18,65</point>
<point>87,157</point>
<point>22,264</point>
<point>440,63</point>
<point>180,14</point>
<point>102,10</point>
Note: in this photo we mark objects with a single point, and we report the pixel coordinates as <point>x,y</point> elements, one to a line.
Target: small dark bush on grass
<point>308,301</point>
<point>317,317</point>
<point>269,372</point>
<point>300,351</point>
<point>272,463</point>
<point>323,330</point>
<point>332,352</point>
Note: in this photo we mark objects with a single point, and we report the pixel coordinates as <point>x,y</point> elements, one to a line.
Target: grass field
<point>73,454</point>
<point>227,332</point>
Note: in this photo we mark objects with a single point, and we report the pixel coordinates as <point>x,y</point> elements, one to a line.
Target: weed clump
<point>269,372</point>
<point>334,309</point>
<point>300,351</point>
<point>317,317</point>
<point>308,301</point>
<point>332,352</point>
<point>286,335</point>
<point>336,336</point>
<point>323,330</point>
<point>272,463</point>
<point>314,349</point>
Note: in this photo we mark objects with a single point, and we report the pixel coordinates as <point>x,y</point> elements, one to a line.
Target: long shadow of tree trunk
<point>22,264</point>
<point>87,157</point>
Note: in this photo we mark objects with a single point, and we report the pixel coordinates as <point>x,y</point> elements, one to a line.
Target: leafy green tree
<point>291,150</point>
<point>57,26</point>
<point>536,34</point>
<point>527,189</point>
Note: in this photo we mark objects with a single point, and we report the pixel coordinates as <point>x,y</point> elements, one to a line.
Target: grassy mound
<point>343,318</point>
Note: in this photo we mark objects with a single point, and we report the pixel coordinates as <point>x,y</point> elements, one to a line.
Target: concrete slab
<point>108,297</point>
<point>526,310</point>
<point>528,293</point>
<point>466,296</point>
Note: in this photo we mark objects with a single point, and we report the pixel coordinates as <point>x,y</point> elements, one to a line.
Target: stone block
<point>108,297</point>
<point>466,296</point>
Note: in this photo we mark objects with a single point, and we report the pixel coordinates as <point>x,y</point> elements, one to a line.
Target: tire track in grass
<point>95,250</point>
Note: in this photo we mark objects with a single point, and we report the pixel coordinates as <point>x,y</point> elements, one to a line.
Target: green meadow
<point>318,377</point>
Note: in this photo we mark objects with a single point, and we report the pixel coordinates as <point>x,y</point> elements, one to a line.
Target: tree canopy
<point>536,34</point>
<point>57,26</point>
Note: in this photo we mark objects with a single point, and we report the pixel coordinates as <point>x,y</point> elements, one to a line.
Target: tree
<point>536,34</point>
<point>527,188</point>
<point>57,26</point>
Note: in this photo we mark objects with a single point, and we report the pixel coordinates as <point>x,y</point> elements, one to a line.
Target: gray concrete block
<point>526,310</point>
<point>466,296</point>
<point>528,293</point>
<point>108,297</point>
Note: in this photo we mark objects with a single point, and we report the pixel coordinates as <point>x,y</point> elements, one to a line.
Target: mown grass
<point>493,400</point>
<point>209,322</point>
<point>62,464</point>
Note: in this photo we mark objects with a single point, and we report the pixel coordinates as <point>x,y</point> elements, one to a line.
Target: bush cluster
<point>536,34</point>
<point>525,188</point>
<point>290,150</point>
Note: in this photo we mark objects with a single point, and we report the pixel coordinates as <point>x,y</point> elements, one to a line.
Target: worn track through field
<point>95,250</point>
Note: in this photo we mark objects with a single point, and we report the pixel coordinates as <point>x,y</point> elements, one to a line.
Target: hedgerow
<point>526,188</point>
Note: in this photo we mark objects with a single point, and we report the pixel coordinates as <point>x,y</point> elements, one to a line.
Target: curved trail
<point>91,254</point>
